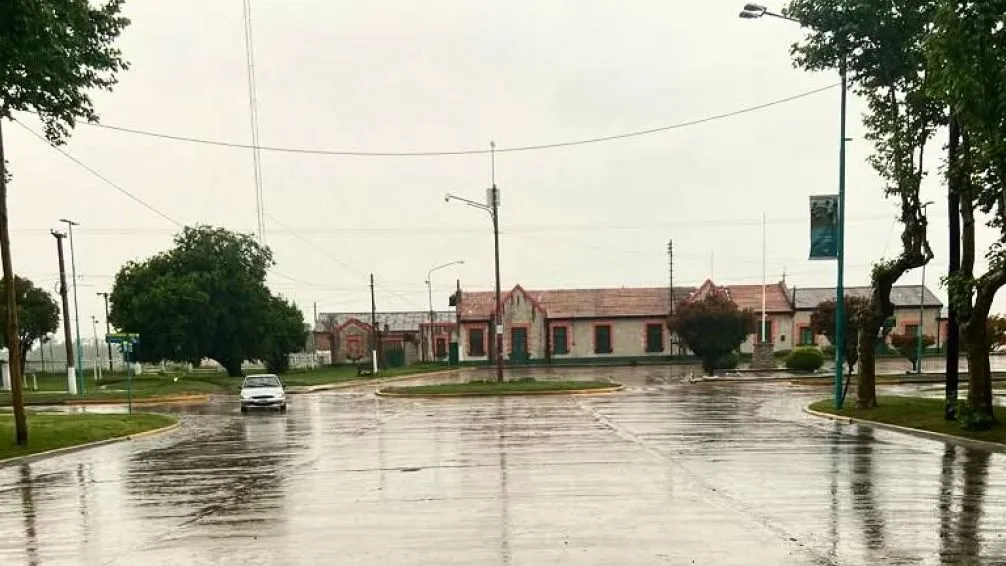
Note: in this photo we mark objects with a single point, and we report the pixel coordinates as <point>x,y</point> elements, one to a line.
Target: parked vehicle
<point>264,391</point>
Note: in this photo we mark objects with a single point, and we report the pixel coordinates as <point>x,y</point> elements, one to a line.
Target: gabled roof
<point>395,321</point>
<point>580,303</point>
<point>807,298</point>
<point>749,296</point>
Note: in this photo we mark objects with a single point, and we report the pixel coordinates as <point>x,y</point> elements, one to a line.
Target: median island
<point>919,414</point>
<point>490,388</point>
<point>50,431</point>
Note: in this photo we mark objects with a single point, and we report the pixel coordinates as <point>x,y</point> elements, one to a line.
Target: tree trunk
<point>866,379</point>
<point>25,348</point>
<point>976,330</point>
<point>233,368</point>
<point>13,341</point>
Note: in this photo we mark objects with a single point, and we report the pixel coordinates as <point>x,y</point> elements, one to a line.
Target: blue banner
<point>824,227</point>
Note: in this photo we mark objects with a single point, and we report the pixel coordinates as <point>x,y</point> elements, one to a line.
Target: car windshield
<point>262,381</point>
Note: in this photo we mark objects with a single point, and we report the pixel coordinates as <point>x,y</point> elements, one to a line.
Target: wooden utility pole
<point>71,372</point>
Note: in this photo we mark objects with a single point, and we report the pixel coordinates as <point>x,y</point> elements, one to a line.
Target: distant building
<point>613,323</point>
<point>407,337</point>
<point>906,298</point>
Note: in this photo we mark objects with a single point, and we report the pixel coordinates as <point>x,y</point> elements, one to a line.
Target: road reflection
<point>28,512</point>
<point>864,497</point>
<point>961,513</point>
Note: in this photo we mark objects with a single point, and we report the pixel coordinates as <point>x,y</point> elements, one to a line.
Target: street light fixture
<point>429,288</point>
<point>492,207</point>
<point>755,11</point>
<point>922,308</point>
<point>76,306</point>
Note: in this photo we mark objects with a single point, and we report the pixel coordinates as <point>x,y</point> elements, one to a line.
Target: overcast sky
<point>454,74</point>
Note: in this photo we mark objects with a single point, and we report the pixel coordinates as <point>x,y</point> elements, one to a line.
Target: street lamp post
<point>108,330</point>
<point>492,207</point>
<point>922,310</point>
<point>76,306</point>
<point>429,288</point>
<point>755,11</point>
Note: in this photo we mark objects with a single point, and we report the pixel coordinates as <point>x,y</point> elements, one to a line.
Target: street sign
<point>122,338</point>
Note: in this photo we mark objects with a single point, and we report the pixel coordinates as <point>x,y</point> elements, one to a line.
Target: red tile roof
<point>622,302</point>
<point>580,303</point>
<point>749,296</point>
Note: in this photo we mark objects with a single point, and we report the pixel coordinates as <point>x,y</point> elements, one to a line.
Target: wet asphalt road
<point>665,472</point>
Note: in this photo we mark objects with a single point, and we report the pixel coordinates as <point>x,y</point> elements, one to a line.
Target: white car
<point>262,391</point>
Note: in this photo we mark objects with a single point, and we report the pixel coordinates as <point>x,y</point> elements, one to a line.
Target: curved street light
<point>429,288</point>
<point>756,11</point>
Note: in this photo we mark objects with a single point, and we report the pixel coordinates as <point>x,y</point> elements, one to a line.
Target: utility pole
<point>496,241</point>
<point>375,333</point>
<point>97,348</point>
<point>108,330</point>
<point>76,306</point>
<point>670,289</point>
<point>71,373</point>
<point>954,212</point>
<point>492,207</point>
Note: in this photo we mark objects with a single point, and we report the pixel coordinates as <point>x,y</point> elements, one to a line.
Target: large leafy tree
<point>712,327</point>
<point>52,54</point>
<point>286,334</point>
<point>879,44</point>
<point>822,321</point>
<point>204,298</point>
<point>967,55</point>
<point>37,314</point>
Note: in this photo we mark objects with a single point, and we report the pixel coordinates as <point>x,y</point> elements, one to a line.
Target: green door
<point>518,345</point>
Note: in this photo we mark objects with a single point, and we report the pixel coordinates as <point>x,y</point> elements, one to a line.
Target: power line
<point>459,152</point>
<point>253,115</point>
<point>335,258</point>
<point>106,180</point>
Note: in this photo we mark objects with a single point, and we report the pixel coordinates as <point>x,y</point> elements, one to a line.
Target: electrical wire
<point>98,175</point>
<point>460,152</point>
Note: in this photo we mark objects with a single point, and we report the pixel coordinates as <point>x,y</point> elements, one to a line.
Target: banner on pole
<point>824,227</point>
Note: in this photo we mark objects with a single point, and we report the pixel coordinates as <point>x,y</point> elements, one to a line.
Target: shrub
<point>805,359</point>
<point>729,361</point>
<point>907,345</point>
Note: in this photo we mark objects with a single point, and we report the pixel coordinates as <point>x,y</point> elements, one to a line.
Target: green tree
<point>879,44</point>
<point>285,334</point>
<point>908,345</point>
<point>204,298</point>
<point>52,54</point>
<point>967,56</point>
<point>712,328</point>
<point>822,321</point>
<point>37,314</point>
<point>995,333</point>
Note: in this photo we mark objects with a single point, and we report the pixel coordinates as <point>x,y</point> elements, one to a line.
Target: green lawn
<point>914,412</point>
<point>52,388</point>
<point>50,431</point>
<point>494,388</point>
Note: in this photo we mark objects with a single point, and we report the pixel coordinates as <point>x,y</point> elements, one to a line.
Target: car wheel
<point>282,408</point>
<point>244,409</point>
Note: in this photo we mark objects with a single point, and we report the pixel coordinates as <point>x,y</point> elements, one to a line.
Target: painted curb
<point>142,401</point>
<point>80,447</point>
<point>370,381</point>
<point>928,435</point>
<point>595,391</point>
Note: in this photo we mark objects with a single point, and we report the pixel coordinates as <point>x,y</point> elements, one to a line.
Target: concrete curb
<point>369,381</point>
<point>79,447</point>
<point>141,401</point>
<point>928,435</point>
<point>595,391</point>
